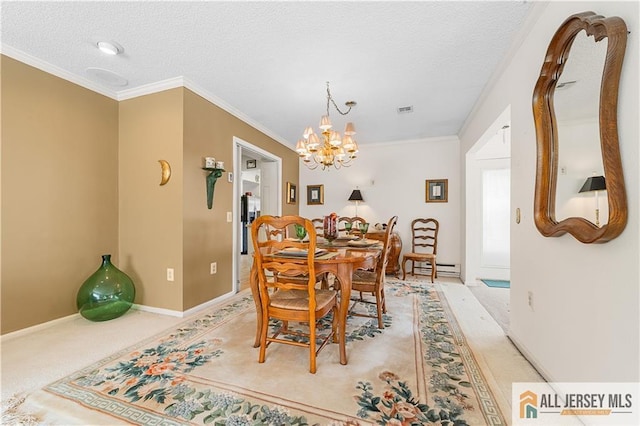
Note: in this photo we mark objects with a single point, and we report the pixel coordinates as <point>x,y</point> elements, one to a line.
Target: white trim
<point>238,145</point>
<point>237,113</point>
<point>530,358</point>
<point>37,327</point>
<point>209,304</point>
<point>188,312</point>
<point>143,308</point>
<point>161,311</point>
<point>525,29</point>
<point>54,70</point>
<point>151,88</point>
<point>143,90</point>
<point>452,138</point>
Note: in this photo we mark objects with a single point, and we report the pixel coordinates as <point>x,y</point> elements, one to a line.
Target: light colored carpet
<point>492,351</point>
<point>496,301</point>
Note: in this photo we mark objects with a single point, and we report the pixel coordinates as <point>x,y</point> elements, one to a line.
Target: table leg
<point>343,275</point>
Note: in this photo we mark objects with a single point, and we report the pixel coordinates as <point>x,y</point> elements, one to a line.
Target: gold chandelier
<point>334,150</point>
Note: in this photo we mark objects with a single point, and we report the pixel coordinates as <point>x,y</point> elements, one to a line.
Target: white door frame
<point>473,226</point>
<point>238,146</point>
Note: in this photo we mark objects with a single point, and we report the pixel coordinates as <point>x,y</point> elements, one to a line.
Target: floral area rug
<point>417,370</point>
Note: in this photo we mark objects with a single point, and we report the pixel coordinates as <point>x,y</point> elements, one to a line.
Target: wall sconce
<point>595,183</point>
<point>356,196</point>
<point>215,169</point>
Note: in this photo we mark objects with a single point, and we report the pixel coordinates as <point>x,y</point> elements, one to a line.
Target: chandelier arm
<point>330,98</point>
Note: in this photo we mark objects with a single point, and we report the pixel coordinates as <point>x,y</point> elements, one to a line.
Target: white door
<point>495,249</point>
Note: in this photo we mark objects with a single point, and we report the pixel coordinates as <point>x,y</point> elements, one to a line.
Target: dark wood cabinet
<point>393,266</point>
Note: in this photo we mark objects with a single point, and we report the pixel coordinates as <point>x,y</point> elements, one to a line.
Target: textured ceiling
<point>271,60</point>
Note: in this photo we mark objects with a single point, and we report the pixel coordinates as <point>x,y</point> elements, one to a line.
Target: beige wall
<point>151,129</point>
<point>59,192</point>
<point>583,324</point>
<point>80,178</point>
<point>208,237</point>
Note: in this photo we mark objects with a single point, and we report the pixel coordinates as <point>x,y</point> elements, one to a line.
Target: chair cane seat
<point>299,299</point>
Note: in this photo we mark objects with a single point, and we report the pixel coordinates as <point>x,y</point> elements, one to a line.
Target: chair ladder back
<point>277,226</point>
<point>386,246</point>
<point>424,234</point>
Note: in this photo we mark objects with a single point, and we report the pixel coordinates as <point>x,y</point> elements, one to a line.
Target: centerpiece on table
<point>330,227</point>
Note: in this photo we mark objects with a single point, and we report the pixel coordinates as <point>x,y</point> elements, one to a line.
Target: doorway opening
<point>488,212</point>
<point>256,192</point>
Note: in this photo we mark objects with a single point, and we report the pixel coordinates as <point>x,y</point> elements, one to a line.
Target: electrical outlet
<point>169,274</point>
<point>229,217</point>
<point>214,268</point>
<point>530,299</point>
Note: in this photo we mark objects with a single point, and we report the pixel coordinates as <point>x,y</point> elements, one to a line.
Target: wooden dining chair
<point>373,281</point>
<point>424,246</point>
<point>318,224</point>
<point>286,299</point>
<point>354,221</point>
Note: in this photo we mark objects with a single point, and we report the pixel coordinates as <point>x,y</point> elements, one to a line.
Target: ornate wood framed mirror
<point>549,140</point>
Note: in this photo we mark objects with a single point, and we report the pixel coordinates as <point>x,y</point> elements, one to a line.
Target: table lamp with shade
<point>595,183</point>
<point>356,196</point>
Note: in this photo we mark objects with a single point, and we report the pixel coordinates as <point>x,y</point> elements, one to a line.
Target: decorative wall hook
<point>166,171</point>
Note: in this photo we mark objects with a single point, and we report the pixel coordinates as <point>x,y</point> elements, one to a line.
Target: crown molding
<point>151,88</point>
<point>146,89</point>
<point>54,70</point>
<point>537,8</point>
<point>452,138</point>
<point>235,112</point>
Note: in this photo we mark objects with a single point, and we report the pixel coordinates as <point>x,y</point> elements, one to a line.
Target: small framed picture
<point>251,164</point>
<point>291,193</point>
<point>315,194</point>
<point>437,190</point>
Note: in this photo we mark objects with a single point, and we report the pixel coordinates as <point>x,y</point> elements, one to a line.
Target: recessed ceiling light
<point>108,77</point>
<point>110,48</point>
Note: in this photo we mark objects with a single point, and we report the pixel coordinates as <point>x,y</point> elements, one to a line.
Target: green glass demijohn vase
<point>108,293</point>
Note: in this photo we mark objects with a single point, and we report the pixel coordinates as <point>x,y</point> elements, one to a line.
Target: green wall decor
<point>212,177</point>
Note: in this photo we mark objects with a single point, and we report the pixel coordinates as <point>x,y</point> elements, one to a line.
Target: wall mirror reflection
<point>579,179</point>
<point>577,103</point>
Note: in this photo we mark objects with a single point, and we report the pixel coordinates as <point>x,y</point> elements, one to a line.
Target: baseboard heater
<point>443,269</point>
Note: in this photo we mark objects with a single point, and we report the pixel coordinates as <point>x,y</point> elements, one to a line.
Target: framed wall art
<point>315,194</point>
<point>437,190</point>
<point>292,193</point>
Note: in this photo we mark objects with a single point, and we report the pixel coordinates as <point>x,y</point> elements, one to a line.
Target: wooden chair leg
<point>263,338</point>
<point>379,309</point>
<point>312,346</point>
<point>433,270</point>
<point>404,268</point>
<point>384,302</point>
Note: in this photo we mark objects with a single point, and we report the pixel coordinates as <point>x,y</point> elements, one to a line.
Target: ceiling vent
<point>405,109</point>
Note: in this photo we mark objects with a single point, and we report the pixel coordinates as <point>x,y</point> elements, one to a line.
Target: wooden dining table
<point>341,265</point>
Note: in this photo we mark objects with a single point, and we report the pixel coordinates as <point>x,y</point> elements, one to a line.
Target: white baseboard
<point>182,314</point>
<point>527,354</point>
<point>143,308</point>
<point>37,327</point>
